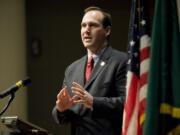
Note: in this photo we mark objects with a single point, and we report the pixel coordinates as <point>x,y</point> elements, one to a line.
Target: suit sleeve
<point>64,117</point>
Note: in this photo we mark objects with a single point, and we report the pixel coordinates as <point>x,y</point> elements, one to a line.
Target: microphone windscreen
<point>26,81</point>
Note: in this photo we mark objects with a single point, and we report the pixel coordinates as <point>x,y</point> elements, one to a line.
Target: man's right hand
<point>64,101</point>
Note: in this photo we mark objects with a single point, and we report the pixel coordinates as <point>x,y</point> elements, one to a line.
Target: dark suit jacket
<point>107,86</point>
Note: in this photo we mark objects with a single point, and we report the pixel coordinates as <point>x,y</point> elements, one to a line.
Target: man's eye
<point>94,25</point>
<point>83,25</point>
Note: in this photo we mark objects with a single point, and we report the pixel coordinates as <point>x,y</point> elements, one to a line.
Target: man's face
<point>93,34</point>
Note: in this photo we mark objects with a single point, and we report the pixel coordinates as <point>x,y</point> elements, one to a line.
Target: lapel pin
<point>102,63</point>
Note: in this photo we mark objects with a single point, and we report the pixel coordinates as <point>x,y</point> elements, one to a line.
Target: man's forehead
<point>94,13</point>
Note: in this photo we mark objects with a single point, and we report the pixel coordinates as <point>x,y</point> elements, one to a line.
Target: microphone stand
<point>12,95</point>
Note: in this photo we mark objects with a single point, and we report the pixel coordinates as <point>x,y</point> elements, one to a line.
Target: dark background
<point>53,42</point>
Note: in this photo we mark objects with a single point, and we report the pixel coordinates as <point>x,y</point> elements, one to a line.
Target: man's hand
<point>64,101</point>
<point>82,96</point>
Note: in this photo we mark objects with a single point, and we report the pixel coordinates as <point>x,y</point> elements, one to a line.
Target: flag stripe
<point>143,79</point>
<point>143,92</point>
<point>132,86</point>
<point>144,66</point>
<point>144,53</point>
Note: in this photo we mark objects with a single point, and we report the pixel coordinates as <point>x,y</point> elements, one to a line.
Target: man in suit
<point>93,93</point>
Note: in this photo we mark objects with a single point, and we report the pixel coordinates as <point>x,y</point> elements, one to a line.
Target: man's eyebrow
<point>82,23</point>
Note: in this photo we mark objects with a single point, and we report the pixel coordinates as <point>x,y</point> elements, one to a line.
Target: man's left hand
<point>84,97</point>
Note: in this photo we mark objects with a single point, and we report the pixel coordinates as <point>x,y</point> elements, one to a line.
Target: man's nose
<point>87,28</point>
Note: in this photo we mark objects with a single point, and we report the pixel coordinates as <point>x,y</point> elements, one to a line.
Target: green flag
<point>163,98</point>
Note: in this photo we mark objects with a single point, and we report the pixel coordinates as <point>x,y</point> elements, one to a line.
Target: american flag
<point>138,64</point>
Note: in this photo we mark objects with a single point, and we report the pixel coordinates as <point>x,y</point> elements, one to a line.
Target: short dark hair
<point>107,21</point>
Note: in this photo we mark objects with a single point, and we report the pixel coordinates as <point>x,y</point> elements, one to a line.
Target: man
<point>94,103</point>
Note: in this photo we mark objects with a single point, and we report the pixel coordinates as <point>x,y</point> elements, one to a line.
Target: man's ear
<point>108,31</point>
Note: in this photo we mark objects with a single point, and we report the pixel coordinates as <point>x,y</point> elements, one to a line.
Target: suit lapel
<point>81,70</point>
<point>99,66</point>
<point>80,79</point>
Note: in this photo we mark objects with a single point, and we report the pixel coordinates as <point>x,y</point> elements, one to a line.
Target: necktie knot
<point>89,67</point>
<point>91,61</point>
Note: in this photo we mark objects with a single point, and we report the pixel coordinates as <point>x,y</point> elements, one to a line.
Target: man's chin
<point>87,45</point>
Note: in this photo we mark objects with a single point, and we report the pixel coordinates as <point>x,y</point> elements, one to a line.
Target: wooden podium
<point>20,127</point>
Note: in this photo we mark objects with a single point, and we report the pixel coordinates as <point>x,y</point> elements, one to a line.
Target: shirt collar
<point>96,56</point>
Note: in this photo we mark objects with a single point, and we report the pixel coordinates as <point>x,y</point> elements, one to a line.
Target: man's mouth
<point>87,39</point>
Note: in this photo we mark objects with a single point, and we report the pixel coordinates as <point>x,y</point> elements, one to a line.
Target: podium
<point>21,127</point>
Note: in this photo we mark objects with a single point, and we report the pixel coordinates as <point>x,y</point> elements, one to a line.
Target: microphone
<point>15,87</point>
